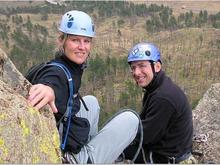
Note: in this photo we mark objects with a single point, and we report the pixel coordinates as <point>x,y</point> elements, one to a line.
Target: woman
<point>84,143</point>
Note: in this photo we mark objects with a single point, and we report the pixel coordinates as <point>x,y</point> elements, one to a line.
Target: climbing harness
<point>69,158</point>
<point>201,138</point>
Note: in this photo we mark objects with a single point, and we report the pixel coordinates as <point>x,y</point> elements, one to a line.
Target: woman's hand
<point>40,95</point>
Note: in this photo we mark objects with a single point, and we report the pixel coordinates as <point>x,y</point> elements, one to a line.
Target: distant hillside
<point>13,4</point>
<point>189,44</point>
<point>184,6</point>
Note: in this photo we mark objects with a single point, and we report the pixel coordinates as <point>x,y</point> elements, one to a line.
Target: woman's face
<point>77,48</point>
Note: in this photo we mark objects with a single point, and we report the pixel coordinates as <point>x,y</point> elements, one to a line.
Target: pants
<point>106,145</point>
<point>131,150</point>
<point>155,158</point>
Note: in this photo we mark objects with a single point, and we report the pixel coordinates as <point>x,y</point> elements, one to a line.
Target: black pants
<point>130,151</point>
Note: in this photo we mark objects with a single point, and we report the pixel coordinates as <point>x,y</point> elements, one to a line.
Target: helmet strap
<point>152,63</point>
<point>84,65</point>
<point>152,67</point>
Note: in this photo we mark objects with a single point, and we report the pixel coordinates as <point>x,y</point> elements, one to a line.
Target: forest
<point>189,43</point>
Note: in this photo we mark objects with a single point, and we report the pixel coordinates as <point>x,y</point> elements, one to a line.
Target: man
<point>166,115</point>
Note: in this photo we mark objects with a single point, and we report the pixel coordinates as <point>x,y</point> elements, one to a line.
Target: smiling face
<point>77,48</point>
<point>143,73</point>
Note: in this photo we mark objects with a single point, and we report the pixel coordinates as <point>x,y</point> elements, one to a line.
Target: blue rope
<point>70,100</point>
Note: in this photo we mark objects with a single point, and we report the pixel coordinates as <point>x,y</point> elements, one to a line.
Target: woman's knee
<point>130,118</point>
<point>127,123</point>
<point>92,103</point>
<point>89,98</point>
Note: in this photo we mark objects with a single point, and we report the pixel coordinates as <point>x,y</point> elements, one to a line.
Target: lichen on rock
<point>26,135</point>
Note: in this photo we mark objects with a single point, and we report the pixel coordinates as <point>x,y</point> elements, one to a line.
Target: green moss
<point>2,116</point>
<point>35,160</point>
<point>47,148</point>
<point>32,110</point>
<point>1,142</point>
<point>3,149</point>
<point>56,139</point>
<point>26,130</point>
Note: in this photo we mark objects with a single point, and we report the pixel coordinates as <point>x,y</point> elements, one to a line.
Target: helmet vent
<point>70,21</point>
<point>93,28</point>
<point>69,24</point>
<point>147,53</point>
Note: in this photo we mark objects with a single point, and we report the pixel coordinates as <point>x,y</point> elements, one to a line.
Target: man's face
<point>142,72</point>
<point>77,48</point>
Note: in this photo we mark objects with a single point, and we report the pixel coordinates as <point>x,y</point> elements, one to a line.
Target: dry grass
<point>20,3</point>
<point>182,6</point>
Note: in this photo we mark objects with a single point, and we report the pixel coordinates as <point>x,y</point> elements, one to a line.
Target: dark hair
<point>62,37</point>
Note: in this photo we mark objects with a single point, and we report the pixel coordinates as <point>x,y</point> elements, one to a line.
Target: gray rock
<point>10,75</point>
<point>26,135</point>
<point>206,118</point>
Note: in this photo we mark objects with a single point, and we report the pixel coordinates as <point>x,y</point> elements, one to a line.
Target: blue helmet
<point>144,51</point>
<point>77,23</point>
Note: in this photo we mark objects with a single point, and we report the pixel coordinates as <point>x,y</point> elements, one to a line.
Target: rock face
<point>26,135</point>
<point>207,126</point>
<point>10,75</point>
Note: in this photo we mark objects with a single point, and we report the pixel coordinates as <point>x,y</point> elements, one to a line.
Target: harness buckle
<point>65,119</point>
<point>171,160</point>
<point>69,158</point>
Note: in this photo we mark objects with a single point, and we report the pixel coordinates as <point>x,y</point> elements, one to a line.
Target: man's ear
<point>157,66</point>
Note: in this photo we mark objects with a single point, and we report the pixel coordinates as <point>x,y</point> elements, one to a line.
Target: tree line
<point>158,17</point>
<point>30,43</point>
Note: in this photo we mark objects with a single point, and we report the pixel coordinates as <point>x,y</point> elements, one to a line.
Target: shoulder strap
<point>67,115</point>
<point>34,71</point>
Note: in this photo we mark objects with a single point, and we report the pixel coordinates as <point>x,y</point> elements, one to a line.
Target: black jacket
<point>54,77</point>
<point>166,118</point>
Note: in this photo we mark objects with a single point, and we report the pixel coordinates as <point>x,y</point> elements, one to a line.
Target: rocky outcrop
<point>26,135</point>
<point>10,75</point>
<point>206,117</point>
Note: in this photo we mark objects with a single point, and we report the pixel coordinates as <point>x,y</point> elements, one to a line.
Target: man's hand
<point>40,95</point>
